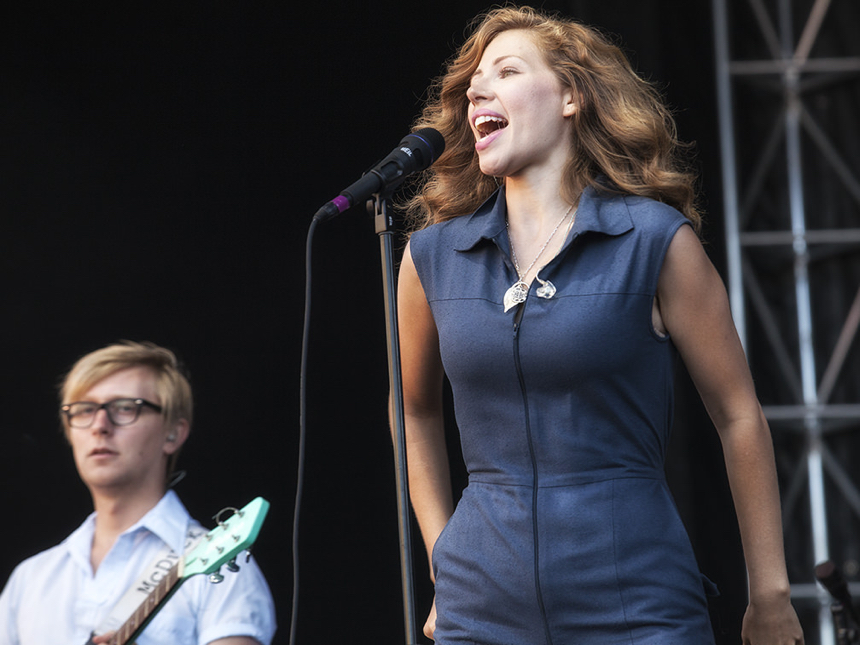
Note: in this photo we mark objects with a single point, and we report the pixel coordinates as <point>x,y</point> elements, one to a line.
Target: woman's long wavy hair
<point>622,136</point>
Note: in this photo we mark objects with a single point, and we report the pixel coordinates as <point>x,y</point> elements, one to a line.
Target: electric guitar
<point>218,547</point>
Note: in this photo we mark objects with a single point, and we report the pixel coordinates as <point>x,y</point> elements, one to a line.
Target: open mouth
<point>487,125</point>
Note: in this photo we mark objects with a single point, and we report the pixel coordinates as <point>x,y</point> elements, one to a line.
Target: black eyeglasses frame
<point>140,403</point>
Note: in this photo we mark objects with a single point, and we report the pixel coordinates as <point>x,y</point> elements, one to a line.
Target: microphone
<point>414,153</point>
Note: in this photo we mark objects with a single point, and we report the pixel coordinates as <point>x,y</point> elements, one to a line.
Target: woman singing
<point>556,275</point>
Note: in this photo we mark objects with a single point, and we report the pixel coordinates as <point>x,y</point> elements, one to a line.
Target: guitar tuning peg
<point>216,578</point>
<point>232,566</point>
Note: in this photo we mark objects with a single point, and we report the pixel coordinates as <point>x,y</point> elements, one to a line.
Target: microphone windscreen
<point>427,144</point>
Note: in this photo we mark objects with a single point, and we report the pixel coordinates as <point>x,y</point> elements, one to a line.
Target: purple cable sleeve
<point>341,202</point>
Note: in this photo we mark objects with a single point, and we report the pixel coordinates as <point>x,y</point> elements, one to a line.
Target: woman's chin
<point>492,170</point>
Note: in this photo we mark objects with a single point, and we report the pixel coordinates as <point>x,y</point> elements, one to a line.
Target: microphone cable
<point>300,470</point>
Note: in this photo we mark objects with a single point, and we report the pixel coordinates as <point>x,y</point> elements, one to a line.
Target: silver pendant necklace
<point>519,290</point>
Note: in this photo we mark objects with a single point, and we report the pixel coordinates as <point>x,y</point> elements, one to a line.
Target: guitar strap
<point>154,572</point>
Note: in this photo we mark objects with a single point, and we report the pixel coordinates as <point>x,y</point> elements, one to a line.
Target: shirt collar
<point>168,520</point>
<point>605,213</point>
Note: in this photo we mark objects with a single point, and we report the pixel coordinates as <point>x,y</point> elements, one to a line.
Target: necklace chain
<point>518,291</point>
<point>539,253</point>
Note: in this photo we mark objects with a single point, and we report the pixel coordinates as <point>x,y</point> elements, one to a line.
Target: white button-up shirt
<point>54,598</point>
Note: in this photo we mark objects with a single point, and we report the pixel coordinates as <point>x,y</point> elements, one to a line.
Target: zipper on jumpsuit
<point>518,318</point>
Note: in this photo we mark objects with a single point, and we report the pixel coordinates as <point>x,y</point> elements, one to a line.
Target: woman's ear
<point>570,107</point>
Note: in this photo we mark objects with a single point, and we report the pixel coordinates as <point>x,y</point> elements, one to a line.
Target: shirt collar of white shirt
<point>168,520</point>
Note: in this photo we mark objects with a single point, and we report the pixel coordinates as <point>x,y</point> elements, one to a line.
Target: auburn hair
<point>622,137</point>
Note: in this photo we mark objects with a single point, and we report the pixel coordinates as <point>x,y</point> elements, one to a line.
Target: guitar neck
<point>218,547</point>
<point>154,601</point>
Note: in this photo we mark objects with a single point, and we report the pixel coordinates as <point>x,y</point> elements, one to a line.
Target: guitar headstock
<point>227,540</point>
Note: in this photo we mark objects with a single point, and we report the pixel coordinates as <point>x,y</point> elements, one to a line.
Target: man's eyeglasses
<point>120,412</point>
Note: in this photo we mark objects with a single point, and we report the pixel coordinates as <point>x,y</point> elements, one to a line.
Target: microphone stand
<point>379,206</point>
<point>846,619</point>
<point>846,630</point>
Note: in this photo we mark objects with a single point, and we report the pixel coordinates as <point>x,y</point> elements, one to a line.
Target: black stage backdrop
<point>161,163</point>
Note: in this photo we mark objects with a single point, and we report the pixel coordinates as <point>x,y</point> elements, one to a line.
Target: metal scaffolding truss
<point>788,116</point>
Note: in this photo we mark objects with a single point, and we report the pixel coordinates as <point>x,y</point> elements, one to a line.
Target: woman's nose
<point>477,91</point>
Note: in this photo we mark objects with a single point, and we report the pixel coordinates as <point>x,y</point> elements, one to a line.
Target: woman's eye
<point>506,71</point>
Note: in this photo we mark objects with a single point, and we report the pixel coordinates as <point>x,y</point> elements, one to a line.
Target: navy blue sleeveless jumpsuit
<point>566,533</point>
